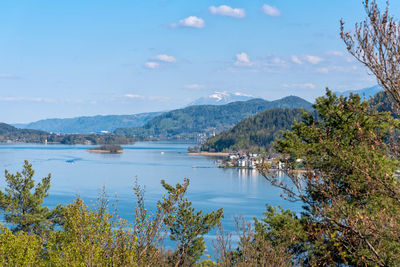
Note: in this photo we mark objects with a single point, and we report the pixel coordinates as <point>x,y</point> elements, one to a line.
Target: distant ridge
<point>90,124</point>
<point>366,93</point>
<point>205,120</point>
<point>221,98</point>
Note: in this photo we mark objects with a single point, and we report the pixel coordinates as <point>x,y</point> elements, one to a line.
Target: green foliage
<point>22,201</point>
<point>19,249</point>
<point>193,120</point>
<point>110,148</point>
<point>282,228</point>
<point>96,237</point>
<point>255,133</point>
<point>349,191</point>
<point>150,228</point>
<point>91,238</point>
<point>187,227</point>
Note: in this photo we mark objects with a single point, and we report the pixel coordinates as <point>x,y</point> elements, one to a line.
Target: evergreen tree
<point>22,201</point>
<point>187,227</point>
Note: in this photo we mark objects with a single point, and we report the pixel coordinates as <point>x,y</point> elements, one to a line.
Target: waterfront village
<point>247,160</point>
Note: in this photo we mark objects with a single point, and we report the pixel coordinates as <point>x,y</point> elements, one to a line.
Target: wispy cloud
<point>225,10</point>
<point>159,98</point>
<point>335,53</point>
<point>296,59</point>
<point>165,58</point>
<point>194,86</point>
<point>27,99</point>
<point>243,60</point>
<point>313,59</point>
<point>143,98</point>
<point>300,85</point>
<point>323,70</point>
<point>152,65</point>
<point>133,96</point>
<point>190,22</point>
<point>270,10</point>
<point>8,76</point>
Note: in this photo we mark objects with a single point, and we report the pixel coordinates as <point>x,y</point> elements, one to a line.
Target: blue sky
<point>73,58</point>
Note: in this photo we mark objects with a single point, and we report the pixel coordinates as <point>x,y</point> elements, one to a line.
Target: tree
<point>187,227</point>
<point>376,44</point>
<point>91,237</point>
<point>150,228</point>
<point>22,207</point>
<point>349,190</point>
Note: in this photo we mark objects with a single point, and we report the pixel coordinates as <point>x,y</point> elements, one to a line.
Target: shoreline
<point>205,153</point>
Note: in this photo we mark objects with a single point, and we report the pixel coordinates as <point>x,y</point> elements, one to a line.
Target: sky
<point>69,58</point>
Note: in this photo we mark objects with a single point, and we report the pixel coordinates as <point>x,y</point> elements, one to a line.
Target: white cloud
<point>323,70</point>
<point>191,22</point>
<point>300,85</point>
<point>296,60</point>
<point>278,61</point>
<point>193,86</point>
<point>313,59</point>
<point>152,65</point>
<point>271,11</point>
<point>133,96</point>
<point>165,58</point>
<point>242,59</point>
<point>224,10</point>
<point>242,94</point>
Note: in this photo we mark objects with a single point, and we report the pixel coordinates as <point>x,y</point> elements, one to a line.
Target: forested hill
<point>90,124</point>
<point>187,122</point>
<point>255,133</point>
<point>10,133</point>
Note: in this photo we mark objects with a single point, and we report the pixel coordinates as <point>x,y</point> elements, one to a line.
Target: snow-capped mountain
<point>221,98</point>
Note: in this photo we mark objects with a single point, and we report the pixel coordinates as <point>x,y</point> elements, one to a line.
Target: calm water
<point>77,172</point>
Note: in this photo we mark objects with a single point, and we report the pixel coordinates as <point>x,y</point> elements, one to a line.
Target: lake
<point>76,172</point>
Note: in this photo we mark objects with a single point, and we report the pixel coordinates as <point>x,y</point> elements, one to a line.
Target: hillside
<point>205,119</point>
<point>93,124</point>
<point>255,133</point>
<point>10,133</point>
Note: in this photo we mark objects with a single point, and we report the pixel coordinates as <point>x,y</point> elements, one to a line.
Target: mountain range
<point>87,124</point>
<point>366,93</point>
<point>198,120</point>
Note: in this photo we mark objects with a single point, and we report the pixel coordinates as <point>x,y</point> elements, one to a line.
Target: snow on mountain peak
<point>221,98</point>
